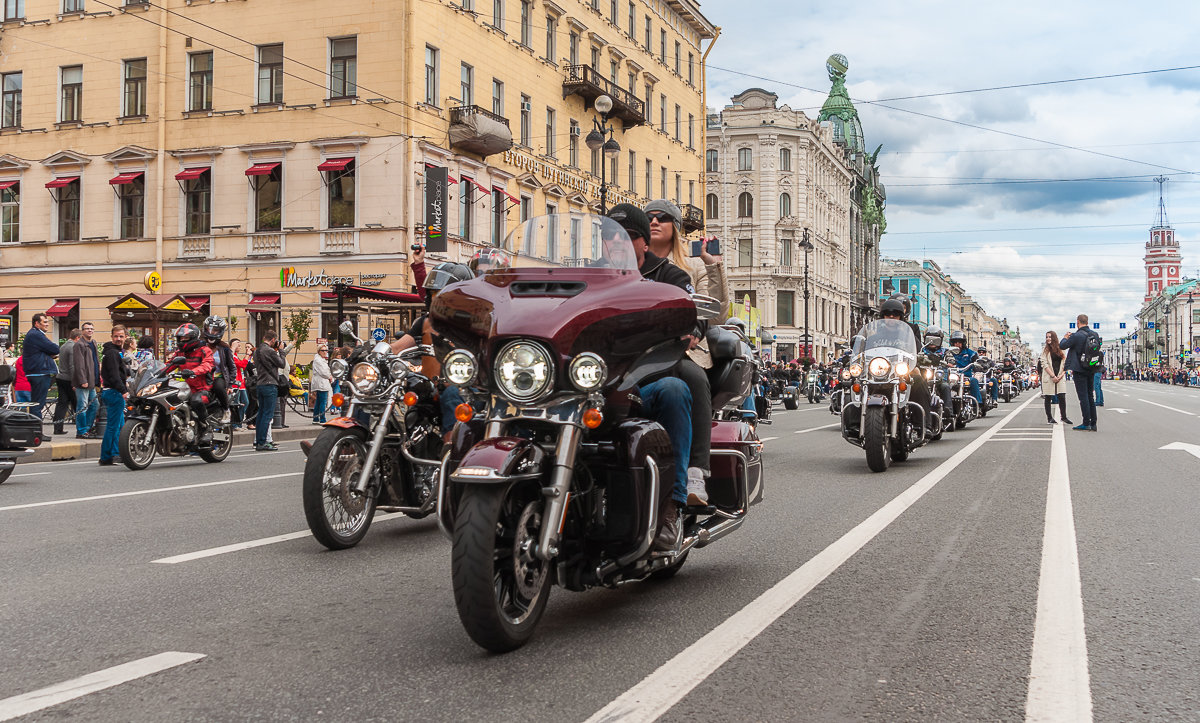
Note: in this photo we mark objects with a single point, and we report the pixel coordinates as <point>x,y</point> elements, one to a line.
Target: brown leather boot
<point>668,527</point>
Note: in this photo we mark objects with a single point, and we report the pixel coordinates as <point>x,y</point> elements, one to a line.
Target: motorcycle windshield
<point>889,338</point>
<point>573,240</point>
<point>151,371</point>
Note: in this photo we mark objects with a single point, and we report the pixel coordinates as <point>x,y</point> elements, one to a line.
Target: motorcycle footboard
<point>852,423</point>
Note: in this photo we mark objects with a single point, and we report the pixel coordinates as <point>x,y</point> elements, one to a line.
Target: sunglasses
<point>660,217</point>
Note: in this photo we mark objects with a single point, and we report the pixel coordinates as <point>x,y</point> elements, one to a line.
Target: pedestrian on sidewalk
<point>66,393</point>
<point>1098,389</point>
<point>320,382</point>
<point>21,387</point>
<point>113,373</point>
<point>238,395</point>
<point>85,376</point>
<point>1053,373</point>
<point>269,365</point>
<point>1075,344</point>
<point>39,354</point>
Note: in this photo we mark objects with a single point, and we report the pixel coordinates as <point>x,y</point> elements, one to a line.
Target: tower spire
<point>1162,206</point>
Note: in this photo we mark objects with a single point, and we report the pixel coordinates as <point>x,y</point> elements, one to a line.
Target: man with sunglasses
<point>897,307</point>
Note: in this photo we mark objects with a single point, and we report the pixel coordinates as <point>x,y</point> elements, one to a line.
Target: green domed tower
<point>838,109</point>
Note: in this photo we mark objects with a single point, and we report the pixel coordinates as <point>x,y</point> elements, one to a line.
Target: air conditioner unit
<point>575,131</point>
<point>526,106</point>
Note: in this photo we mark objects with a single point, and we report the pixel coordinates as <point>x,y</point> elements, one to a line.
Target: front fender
<point>878,400</point>
<point>345,423</point>
<point>498,461</point>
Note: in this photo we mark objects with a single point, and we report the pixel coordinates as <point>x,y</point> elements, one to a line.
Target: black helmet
<point>958,336</point>
<point>892,305</point>
<point>934,337</point>
<point>187,335</point>
<point>214,328</point>
<point>447,273</point>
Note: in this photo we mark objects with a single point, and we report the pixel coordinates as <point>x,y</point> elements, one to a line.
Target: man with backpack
<point>1084,360</point>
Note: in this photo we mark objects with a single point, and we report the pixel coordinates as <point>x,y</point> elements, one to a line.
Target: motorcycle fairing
<point>499,460</point>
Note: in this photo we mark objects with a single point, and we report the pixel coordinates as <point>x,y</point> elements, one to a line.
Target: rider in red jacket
<point>194,361</point>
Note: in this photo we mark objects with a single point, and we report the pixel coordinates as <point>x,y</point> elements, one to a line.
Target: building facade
<point>778,196</point>
<point>254,157</point>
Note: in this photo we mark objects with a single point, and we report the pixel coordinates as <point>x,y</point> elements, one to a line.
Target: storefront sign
<point>566,179</point>
<point>5,330</point>
<point>289,278</point>
<point>435,209</point>
<point>371,279</point>
<point>153,282</point>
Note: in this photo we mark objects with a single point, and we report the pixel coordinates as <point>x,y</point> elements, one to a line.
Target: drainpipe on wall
<point>703,113</point>
<point>160,163</point>
<point>407,188</point>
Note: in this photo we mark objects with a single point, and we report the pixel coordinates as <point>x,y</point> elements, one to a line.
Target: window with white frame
<point>745,205</point>
<point>10,212</point>
<point>711,206</point>
<point>197,202</point>
<point>268,200</point>
<point>552,231</point>
<point>745,159</point>
<point>498,201</point>
<point>133,97</point>
<point>10,109</point>
<point>466,84</point>
<point>527,23</point>
<point>432,58</point>
<point>785,205</point>
<point>270,74</point>
<point>67,209</point>
<point>72,6</point>
<point>340,196</point>
<point>71,106</point>
<point>498,97</point>
<point>710,160</point>
<point>14,9</point>
<point>466,208</point>
<point>526,120</point>
<point>550,131</point>
<point>498,14</point>
<point>131,201</point>
<point>551,35</point>
<point>573,144</point>
<point>785,159</point>
<point>200,81</point>
<point>343,67</point>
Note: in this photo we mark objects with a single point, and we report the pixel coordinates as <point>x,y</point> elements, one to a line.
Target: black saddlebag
<point>19,430</point>
<point>732,370</point>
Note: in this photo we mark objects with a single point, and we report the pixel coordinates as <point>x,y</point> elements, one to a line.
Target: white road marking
<point>673,680</point>
<point>1173,409</point>
<point>238,546</point>
<point>27,703</point>
<point>827,426</point>
<point>1192,449</point>
<point>158,462</point>
<point>1020,439</point>
<point>1059,687</point>
<point>767,439</point>
<point>1028,429</point>
<point>29,474</point>
<point>1119,410</point>
<point>147,492</point>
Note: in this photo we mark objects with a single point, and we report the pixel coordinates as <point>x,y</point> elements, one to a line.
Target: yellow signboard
<point>177,305</point>
<point>131,303</point>
<point>153,282</point>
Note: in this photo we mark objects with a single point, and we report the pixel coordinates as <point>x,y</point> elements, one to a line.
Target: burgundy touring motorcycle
<point>560,479</point>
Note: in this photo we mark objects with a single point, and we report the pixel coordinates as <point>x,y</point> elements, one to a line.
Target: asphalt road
<point>946,588</point>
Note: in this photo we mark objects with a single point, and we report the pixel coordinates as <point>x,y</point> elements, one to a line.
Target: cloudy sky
<point>1037,199</point>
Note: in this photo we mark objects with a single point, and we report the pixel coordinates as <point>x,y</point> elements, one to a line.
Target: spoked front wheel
<point>337,515</point>
<point>136,444</point>
<point>500,586</point>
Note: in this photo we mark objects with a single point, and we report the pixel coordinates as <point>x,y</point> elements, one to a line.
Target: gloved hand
<point>187,373</point>
<point>178,360</point>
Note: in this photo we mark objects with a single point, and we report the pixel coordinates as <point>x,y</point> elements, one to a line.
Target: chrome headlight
<point>856,369</point>
<point>460,367</point>
<point>929,373</point>
<point>588,371</point>
<point>364,378</point>
<point>149,390</point>
<point>845,374</point>
<point>953,378</point>
<point>337,368</point>
<point>1006,378</point>
<point>397,367</point>
<point>524,371</point>
<point>902,368</point>
<point>879,367</point>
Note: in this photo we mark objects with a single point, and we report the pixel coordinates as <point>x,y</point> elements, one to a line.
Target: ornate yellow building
<point>255,155</point>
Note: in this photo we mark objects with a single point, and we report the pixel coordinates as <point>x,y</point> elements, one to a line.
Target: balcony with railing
<point>477,130</point>
<point>586,82</point>
<point>693,217</point>
<point>196,247</point>
<point>343,241</point>
<point>266,244</point>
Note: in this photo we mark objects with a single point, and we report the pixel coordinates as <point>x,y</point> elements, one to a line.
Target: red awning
<point>511,197</point>
<point>361,292</point>
<point>64,181</point>
<point>190,174</point>
<point>261,169</point>
<point>478,185</point>
<point>7,184</point>
<point>335,164</point>
<point>6,307</point>
<point>265,298</point>
<point>124,178</point>
<point>196,301</point>
<point>62,307</point>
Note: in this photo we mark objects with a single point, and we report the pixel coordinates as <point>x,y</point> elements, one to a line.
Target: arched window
<point>785,159</point>
<point>745,205</point>
<point>785,205</point>
<point>710,207</point>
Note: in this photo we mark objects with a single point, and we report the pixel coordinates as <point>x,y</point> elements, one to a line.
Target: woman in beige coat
<point>708,278</point>
<point>1052,368</point>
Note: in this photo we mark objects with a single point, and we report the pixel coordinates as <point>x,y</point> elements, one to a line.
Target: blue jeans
<point>238,406</point>
<point>22,395</point>
<point>668,401</point>
<point>975,390</point>
<point>995,389</point>
<point>322,401</point>
<point>1099,391</point>
<point>39,385</point>
<point>1086,389</point>
<point>449,399</point>
<point>86,406</point>
<point>268,396</point>
<point>114,403</point>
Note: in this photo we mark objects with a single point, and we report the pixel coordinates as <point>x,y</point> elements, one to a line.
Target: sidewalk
<point>67,447</point>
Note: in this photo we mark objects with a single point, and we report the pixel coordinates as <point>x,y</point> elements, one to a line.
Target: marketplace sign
<point>289,278</point>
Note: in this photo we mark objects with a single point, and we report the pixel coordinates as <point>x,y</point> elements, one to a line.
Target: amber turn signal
<point>903,386</point>
<point>592,418</point>
<point>857,388</point>
<point>464,412</point>
<point>410,399</point>
<point>338,400</point>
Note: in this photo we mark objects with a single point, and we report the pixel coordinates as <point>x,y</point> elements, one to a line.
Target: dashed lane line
<point>813,429</point>
<point>1173,409</point>
<point>239,546</point>
<point>1059,685</point>
<point>159,462</point>
<point>53,695</point>
<point>658,692</point>
<point>156,490</point>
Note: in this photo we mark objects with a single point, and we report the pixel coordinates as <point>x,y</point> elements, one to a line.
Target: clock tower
<point>1162,252</point>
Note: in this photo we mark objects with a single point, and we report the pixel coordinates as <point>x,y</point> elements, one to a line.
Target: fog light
<point>464,412</point>
<point>410,399</point>
<point>592,418</point>
<point>338,400</point>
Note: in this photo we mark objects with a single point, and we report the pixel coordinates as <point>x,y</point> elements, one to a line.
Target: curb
<point>90,448</point>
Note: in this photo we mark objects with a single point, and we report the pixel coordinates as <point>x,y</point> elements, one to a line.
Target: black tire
<point>5,474</point>
<point>789,402</point>
<point>136,456</point>
<point>333,463</point>
<point>219,451</point>
<point>669,571</point>
<point>489,525</point>
<point>899,451</point>
<point>875,439</point>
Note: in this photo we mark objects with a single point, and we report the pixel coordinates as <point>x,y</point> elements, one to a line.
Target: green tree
<point>296,329</point>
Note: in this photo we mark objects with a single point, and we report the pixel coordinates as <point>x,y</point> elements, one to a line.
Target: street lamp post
<point>601,137</point>
<point>804,339</point>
